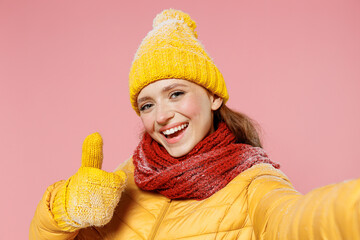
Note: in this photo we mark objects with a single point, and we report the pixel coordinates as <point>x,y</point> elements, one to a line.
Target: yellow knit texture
<point>172,50</point>
<point>90,196</point>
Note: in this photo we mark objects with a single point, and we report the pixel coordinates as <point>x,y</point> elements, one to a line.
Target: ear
<point>216,102</point>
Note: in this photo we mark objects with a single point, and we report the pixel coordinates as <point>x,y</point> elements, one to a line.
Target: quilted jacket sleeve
<point>43,225</point>
<point>280,212</point>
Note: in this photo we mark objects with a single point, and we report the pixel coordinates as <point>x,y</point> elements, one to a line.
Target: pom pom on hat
<point>171,50</point>
<point>172,14</point>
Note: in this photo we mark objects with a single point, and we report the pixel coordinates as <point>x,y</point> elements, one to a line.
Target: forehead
<point>164,85</point>
<point>165,82</point>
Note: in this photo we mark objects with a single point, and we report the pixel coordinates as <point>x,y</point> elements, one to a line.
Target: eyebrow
<point>165,89</point>
<point>143,99</point>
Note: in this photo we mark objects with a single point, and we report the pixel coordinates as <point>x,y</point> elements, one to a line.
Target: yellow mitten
<point>89,197</point>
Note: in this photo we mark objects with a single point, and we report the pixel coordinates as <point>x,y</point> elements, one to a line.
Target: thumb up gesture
<point>90,196</point>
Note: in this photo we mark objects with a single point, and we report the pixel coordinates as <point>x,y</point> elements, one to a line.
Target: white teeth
<point>175,129</point>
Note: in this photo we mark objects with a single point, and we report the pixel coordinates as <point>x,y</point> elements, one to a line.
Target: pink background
<point>294,66</point>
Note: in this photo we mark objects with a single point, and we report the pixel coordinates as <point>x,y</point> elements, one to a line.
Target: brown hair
<point>243,127</point>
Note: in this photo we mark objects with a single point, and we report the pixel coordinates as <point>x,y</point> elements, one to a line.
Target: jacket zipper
<point>160,219</point>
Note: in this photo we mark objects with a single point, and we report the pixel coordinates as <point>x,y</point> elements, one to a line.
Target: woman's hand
<point>90,196</point>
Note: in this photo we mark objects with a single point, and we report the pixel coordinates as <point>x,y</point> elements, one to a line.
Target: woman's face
<point>177,114</point>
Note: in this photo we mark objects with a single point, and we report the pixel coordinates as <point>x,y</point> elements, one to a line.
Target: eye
<point>176,94</point>
<point>145,107</point>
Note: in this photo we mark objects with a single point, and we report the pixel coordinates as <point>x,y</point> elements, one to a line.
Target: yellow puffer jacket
<point>260,203</point>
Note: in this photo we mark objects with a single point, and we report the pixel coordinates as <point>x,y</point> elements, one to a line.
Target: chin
<point>176,153</point>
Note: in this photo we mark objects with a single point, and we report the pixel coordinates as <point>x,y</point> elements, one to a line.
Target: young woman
<point>199,171</point>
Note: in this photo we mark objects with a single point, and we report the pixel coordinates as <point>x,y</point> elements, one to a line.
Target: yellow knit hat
<point>172,50</point>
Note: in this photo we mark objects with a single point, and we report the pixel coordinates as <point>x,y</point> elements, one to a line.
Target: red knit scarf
<point>209,167</point>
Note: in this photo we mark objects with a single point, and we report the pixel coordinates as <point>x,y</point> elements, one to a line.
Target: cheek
<point>189,109</point>
<point>195,107</point>
<point>148,123</point>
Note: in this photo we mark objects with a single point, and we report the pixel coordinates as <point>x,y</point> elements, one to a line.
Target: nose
<point>163,114</point>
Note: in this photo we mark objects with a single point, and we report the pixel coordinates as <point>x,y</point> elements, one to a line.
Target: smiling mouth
<point>174,132</point>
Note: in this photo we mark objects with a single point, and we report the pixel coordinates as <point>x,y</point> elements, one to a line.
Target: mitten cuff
<point>59,211</point>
